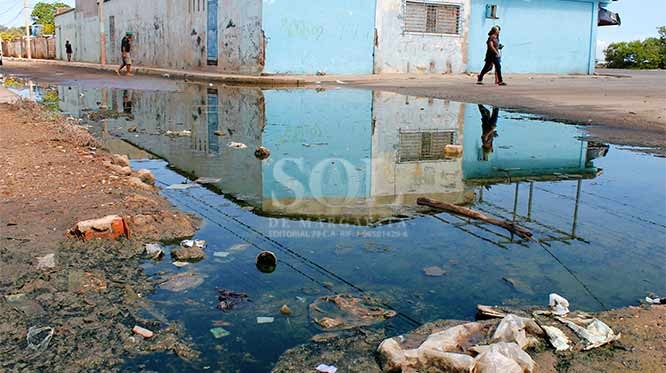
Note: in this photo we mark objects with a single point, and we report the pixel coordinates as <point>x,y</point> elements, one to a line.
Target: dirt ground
<point>620,106</point>
<point>52,176</point>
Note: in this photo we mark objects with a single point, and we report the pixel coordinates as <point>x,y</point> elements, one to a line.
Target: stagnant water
<point>336,202</point>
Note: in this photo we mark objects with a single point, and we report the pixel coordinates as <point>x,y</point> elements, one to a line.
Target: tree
<point>11,33</point>
<point>647,54</point>
<point>44,13</point>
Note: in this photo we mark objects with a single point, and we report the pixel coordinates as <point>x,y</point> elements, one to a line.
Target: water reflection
<point>350,155</point>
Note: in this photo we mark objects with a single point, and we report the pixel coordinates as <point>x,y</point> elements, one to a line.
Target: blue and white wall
<point>310,36</point>
<point>540,36</point>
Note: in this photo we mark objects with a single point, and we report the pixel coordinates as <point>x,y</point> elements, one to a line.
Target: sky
<point>11,11</point>
<point>640,19</point>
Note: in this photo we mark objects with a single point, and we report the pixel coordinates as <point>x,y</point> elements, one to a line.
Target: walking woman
<point>493,57</point>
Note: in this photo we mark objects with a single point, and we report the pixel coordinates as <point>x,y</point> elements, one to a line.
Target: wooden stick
<point>510,226</point>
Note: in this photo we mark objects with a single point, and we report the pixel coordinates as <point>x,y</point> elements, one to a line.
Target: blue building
<point>540,36</point>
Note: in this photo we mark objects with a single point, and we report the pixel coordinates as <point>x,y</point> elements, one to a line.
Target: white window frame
<point>461,17</point>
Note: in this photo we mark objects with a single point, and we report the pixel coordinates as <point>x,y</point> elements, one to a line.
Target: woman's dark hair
<point>493,31</point>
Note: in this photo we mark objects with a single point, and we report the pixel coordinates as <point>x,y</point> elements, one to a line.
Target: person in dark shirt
<point>489,128</point>
<point>125,48</point>
<point>493,57</point>
<point>68,50</point>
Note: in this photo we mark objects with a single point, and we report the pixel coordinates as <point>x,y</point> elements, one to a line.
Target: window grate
<point>424,146</point>
<point>432,18</point>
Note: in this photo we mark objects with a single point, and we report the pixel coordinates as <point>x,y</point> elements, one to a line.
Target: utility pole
<point>102,35</point>
<point>27,27</point>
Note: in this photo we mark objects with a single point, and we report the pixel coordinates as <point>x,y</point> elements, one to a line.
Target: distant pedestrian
<point>493,57</point>
<point>125,49</point>
<point>68,50</point>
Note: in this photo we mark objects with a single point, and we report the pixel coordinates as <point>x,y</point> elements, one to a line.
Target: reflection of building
<point>334,153</point>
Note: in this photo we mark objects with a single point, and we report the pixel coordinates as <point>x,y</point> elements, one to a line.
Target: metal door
<point>212,32</point>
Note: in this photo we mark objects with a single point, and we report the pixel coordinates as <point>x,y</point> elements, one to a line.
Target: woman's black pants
<point>489,66</point>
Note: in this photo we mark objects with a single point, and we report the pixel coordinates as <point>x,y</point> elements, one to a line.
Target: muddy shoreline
<point>92,293</point>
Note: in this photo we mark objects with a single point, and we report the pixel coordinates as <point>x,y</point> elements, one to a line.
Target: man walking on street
<point>125,48</point>
<point>68,50</point>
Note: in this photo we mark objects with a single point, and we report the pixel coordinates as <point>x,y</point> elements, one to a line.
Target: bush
<point>647,54</point>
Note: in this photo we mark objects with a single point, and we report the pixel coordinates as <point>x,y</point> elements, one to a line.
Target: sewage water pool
<point>336,202</point>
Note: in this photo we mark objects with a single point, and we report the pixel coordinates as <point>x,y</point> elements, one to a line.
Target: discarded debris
<point>512,328</point>
<point>557,338</point>
<point>434,271</point>
<point>230,299</point>
<point>239,247</point>
<point>221,254</point>
<point>181,264</point>
<point>237,145</point>
<point>207,180</point>
<point>285,310</point>
<point>39,338</point>
<point>46,261</point>
<point>188,254</point>
<point>596,334</point>
<point>262,153</point>
<point>510,226</point>
<point>558,304</point>
<point>504,358</point>
<point>266,262</point>
<point>109,227</point>
<point>219,333</point>
<point>346,312</point>
<point>219,133</point>
<point>182,281</point>
<point>154,250</point>
<point>323,368</point>
<point>183,133</point>
<point>181,186</point>
<point>650,300</point>
<point>265,320</point>
<point>487,312</point>
<point>145,333</point>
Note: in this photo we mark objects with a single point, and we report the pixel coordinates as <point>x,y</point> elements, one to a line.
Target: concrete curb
<point>177,74</point>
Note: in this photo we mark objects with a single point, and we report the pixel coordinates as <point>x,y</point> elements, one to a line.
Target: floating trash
<point>266,262</point>
<point>265,320</point>
<point>220,333</point>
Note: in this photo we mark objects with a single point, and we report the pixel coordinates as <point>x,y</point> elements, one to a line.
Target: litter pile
<point>498,344</point>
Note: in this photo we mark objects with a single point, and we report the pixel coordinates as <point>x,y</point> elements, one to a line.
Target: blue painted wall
<point>320,142</point>
<point>540,36</point>
<point>308,36</point>
<point>526,148</point>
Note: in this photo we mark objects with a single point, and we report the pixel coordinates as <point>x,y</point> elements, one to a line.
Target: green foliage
<point>647,54</point>
<point>44,13</point>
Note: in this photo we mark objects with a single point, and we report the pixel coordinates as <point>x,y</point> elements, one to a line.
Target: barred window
<point>432,17</point>
<point>424,146</point>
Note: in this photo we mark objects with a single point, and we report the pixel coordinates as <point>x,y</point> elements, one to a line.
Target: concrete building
<point>336,37</point>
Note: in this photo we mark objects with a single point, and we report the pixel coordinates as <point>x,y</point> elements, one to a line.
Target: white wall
<point>170,34</point>
<point>437,178</point>
<point>397,51</point>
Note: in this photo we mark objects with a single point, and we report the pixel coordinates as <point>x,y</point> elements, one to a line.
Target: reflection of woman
<point>489,127</point>
<point>493,57</point>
